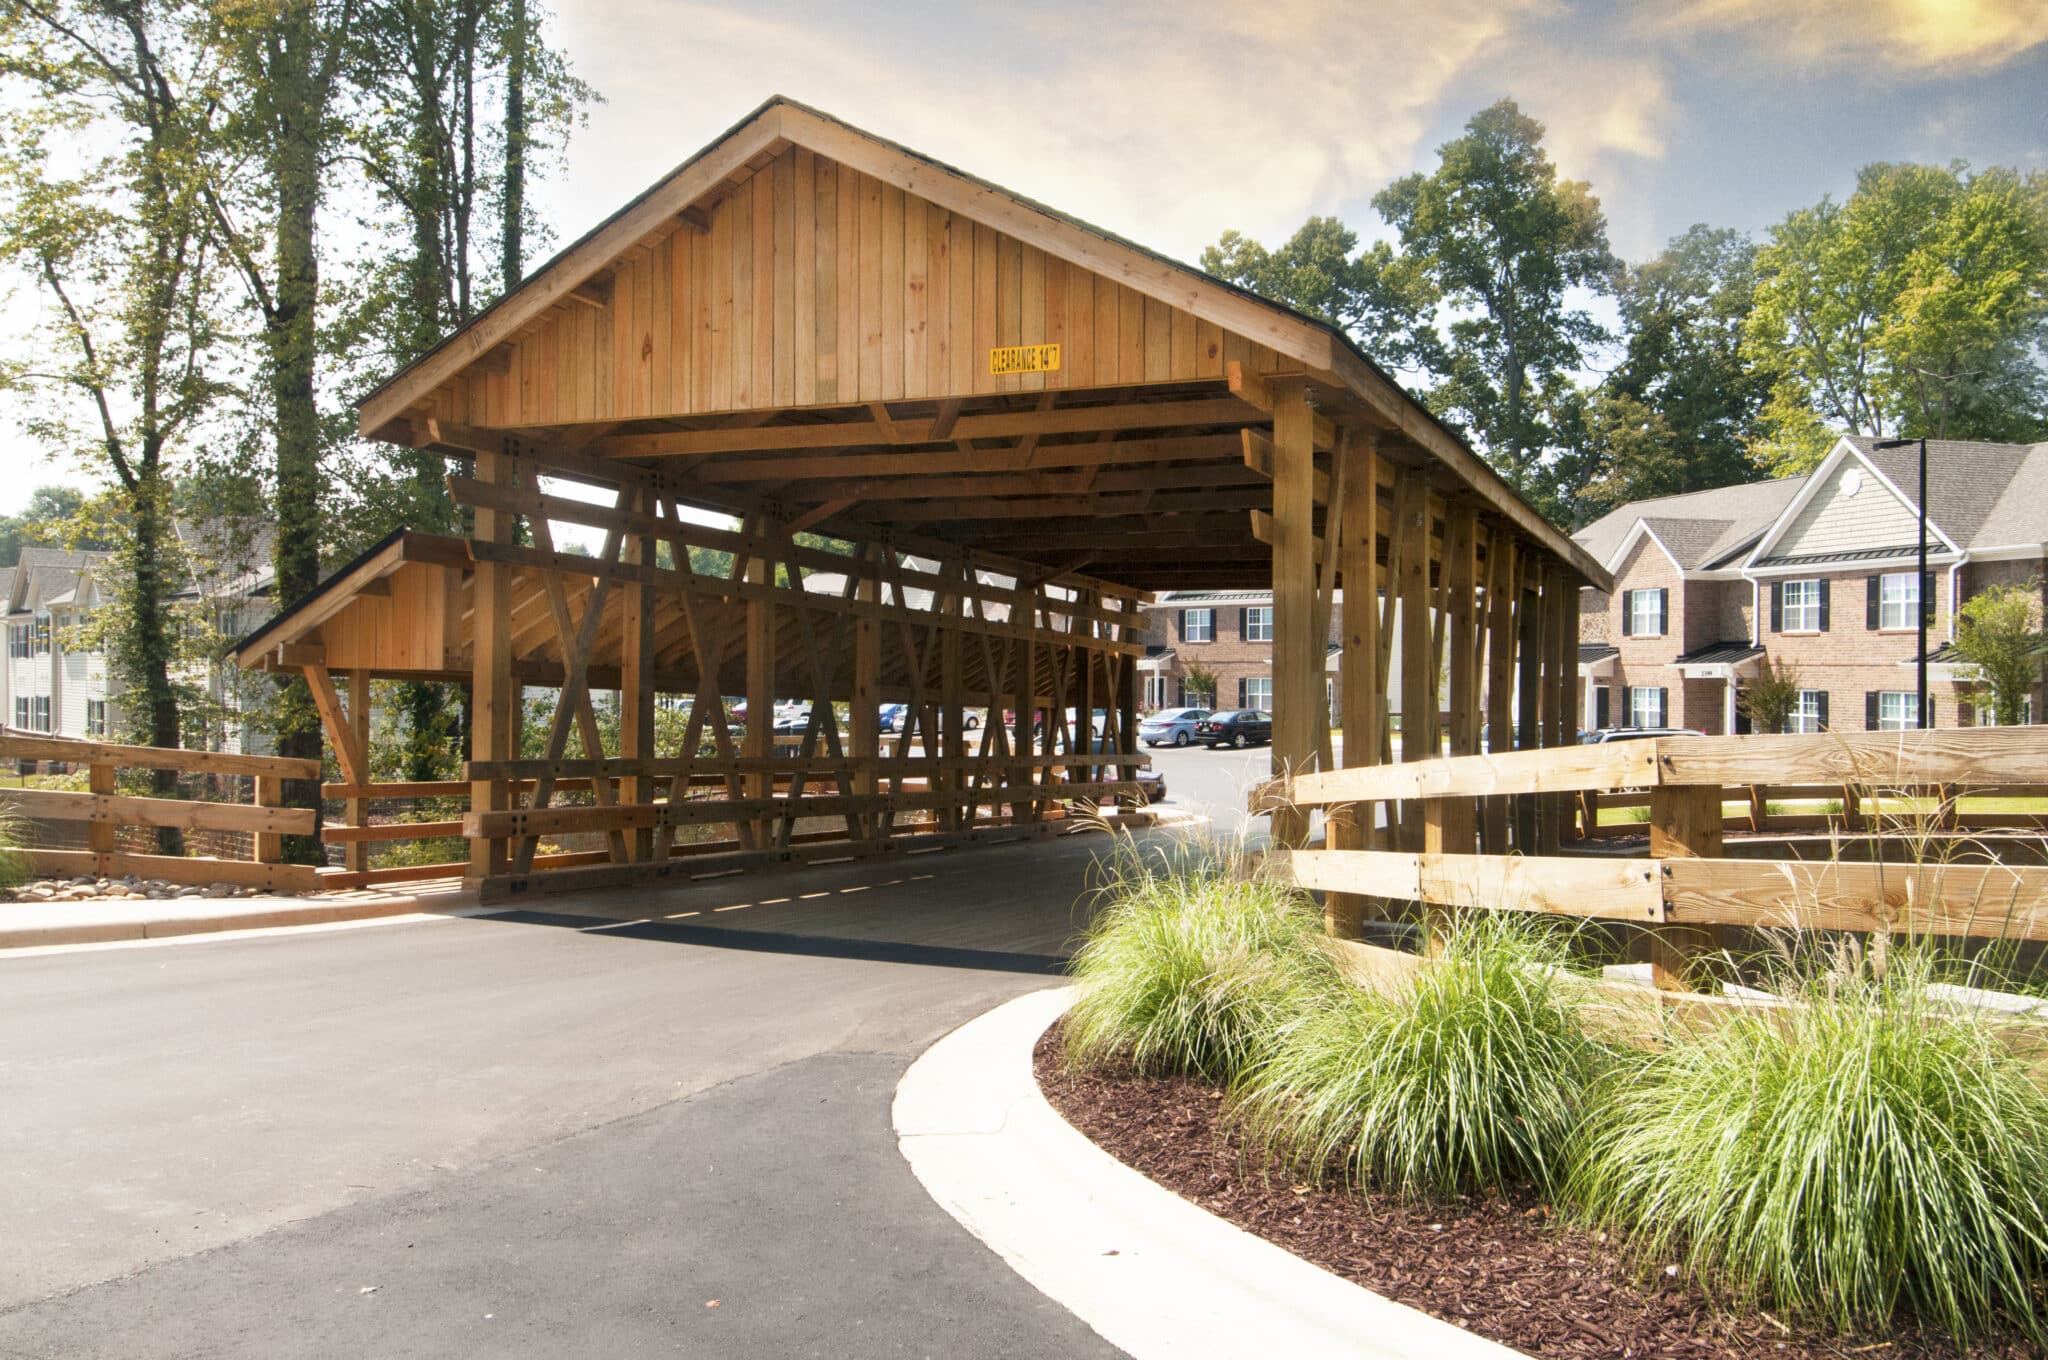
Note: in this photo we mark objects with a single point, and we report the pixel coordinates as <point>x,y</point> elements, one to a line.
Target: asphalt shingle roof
<point>1700,527</point>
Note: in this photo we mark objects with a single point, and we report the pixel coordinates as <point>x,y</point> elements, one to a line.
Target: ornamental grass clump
<point>1190,966</point>
<point>1468,1074</point>
<point>1866,1146</point>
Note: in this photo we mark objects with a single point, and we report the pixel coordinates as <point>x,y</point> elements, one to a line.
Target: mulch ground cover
<point>1502,1268</point>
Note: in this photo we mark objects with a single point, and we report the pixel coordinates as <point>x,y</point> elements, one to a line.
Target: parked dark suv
<point>1239,727</point>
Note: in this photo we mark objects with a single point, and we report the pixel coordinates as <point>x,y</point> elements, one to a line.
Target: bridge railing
<point>1898,788</point>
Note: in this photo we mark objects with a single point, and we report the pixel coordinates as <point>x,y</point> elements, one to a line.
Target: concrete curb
<point>1152,1273</point>
<point>108,923</point>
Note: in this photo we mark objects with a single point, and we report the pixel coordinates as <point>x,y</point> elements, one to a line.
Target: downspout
<point>1955,598</point>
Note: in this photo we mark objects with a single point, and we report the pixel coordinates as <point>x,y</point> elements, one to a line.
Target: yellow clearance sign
<point>1024,359</point>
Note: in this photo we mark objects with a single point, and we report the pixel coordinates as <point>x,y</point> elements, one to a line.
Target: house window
<point>1898,595</point>
<point>1646,613</point>
<point>1897,711</point>
<point>1258,624</point>
<point>1258,693</point>
<point>1645,706</point>
<point>96,717</point>
<point>1809,714</point>
<point>17,640</point>
<point>1802,607</point>
<point>1197,625</point>
<point>42,638</point>
<point>41,714</point>
<point>21,712</point>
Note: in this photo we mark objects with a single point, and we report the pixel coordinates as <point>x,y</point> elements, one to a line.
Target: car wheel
<point>1180,739</point>
<point>972,722</point>
<point>1237,742</point>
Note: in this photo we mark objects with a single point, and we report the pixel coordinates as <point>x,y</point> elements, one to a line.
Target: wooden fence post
<point>1297,652</point>
<point>270,844</point>
<point>1685,823</point>
<point>99,832</point>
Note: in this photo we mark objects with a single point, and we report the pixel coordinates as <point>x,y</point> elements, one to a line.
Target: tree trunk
<point>301,108</point>
<point>515,145</point>
<point>149,631</point>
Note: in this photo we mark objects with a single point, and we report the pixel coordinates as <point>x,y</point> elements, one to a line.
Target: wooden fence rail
<point>103,810</point>
<point>1686,888</point>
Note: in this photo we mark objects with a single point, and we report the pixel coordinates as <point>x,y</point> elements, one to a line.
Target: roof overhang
<point>1062,511</point>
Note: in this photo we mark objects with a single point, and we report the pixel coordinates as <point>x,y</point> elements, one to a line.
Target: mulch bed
<point>1505,1269</point>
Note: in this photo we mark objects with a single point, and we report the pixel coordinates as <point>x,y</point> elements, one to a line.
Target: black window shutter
<point>1823,696</point>
<point>1663,707</point>
<point>1870,602</point>
<point>1602,709</point>
<point>1930,603</point>
<point>1824,604</point>
<point>1930,710</point>
<point>1242,615</point>
<point>1870,710</point>
<point>1628,613</point>
<point>1240,691</point>
<point>1183,625</point>
<point>1663,610</point>
<point>1777,606</point>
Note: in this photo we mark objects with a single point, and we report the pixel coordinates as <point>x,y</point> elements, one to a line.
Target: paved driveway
<point>541,1135</point>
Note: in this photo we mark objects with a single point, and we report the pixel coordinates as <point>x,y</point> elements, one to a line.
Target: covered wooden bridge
<point>963,436</point>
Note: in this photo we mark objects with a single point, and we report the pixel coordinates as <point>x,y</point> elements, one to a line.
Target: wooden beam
<point>593,293</point>
<point>855,433</point>
<point>1259,392</point>
<point>13,747</point>
<point>1297,652</point>
<point>1257,452</point>
<point>1359,695</point>
<point>1264,530</point>
<point>1092,453</point>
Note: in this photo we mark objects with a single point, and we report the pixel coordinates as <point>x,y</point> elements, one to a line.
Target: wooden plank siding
<point>816,285</point>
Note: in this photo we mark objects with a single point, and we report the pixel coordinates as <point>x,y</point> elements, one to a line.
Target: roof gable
<point>801,261</point>
<point>1848,506</point>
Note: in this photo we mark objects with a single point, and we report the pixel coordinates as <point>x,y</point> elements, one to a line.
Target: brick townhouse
<point>1230,632</point>
<point>1818,572</point>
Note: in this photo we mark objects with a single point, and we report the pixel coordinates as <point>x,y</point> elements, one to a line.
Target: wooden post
<point>952,697</point>
<point>1362,700</point>
<point>1297,652</point>
<point>1460,827</point>
<point>492,688</point>
<point>1500,673</point>
<point>865,707</point>
<point>99,832</point>
<point>636,682</point>
<point>759,741</point>
<point>1685,823</point>
<point>356,854</point>
<point>1529,693</point>
<point>1418,668</point>
<point>269,793</point>
<point>1025,701</point>
<point>1125,669</point>
<point>1560,668</point>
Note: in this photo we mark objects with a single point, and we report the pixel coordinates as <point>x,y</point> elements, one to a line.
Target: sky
<point>1170,123</point>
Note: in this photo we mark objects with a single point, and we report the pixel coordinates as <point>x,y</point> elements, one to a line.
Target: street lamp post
<point>1920,586</point>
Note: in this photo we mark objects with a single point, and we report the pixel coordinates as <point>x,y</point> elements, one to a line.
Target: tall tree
<point>1504,242</point>
<point>512,228</point>
<point>116,230</point>
<point>1681,409</point>
<point>1917,306</point>
<point>1376,296</point>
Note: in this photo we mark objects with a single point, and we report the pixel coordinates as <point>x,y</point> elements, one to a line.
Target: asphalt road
<point>540,1135</point>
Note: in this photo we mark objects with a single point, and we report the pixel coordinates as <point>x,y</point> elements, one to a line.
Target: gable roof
<point>1701,529</point>
<point>48,576</point>
<point>1980,495</point>
<point>1303,344</point>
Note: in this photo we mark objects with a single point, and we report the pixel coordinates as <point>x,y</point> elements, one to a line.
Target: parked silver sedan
<point>1170,726</point>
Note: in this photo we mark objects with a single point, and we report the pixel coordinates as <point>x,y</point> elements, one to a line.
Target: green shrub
<point>1189,967</point>
<point>1469,1074</point>
<point>13,830</point>
<point>1863,1148</point>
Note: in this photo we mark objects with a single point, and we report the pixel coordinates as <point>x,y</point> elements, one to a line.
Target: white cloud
<point>1167,124</point>
<point>1912,35</point>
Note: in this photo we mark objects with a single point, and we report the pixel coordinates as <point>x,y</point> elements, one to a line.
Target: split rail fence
<point>104,809</point>
<point>1425,849</point>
